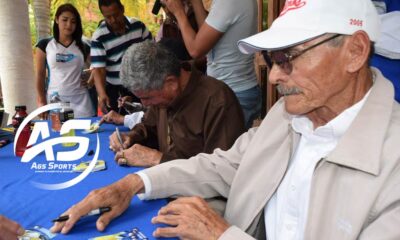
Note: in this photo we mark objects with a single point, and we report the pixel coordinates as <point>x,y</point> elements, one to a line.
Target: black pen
<point>97,211</point>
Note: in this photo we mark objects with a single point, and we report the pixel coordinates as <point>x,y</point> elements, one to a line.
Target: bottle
<point>67,113</point>
<point>22,141</point>
<point>55,114</point>
<point>19,116</point>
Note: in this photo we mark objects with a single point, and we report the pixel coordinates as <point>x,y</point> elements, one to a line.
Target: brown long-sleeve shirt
<point>207,115</point>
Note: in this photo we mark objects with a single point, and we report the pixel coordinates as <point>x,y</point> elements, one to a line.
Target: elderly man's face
<point>114,17</point>
<point>153,98</point>
<point>315,81</point>
<point>159,98</point>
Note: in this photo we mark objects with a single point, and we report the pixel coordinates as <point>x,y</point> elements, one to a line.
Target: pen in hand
<point>119,137</point>
<point>97,211</point>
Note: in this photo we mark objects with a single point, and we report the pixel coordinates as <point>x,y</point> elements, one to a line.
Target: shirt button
<point>293,188</point>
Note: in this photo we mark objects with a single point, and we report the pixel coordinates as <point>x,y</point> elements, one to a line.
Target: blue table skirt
<point>21,201</point>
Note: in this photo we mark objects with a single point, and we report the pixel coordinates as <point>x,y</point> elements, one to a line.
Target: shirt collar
<point>334,129</point>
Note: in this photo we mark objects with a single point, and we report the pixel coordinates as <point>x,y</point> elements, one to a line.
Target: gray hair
<point>145,65</point>
<point>338,42</point>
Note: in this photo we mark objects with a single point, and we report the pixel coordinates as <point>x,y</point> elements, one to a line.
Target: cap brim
<point>275,40</point>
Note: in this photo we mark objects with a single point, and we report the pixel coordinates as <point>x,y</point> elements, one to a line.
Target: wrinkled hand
<point>138,156</point>
<point>9,229</point>
<point>117,196</point>
<point>112,117</point>
<point>104,103</point>
<point>189,218</point>
<point>174,6</point>
<point>116,146</point>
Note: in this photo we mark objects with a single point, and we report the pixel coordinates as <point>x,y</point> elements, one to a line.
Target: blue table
<point>21,201</point>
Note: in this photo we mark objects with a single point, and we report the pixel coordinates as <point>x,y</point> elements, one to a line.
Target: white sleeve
<point>147,186</point>
<point>223,14</point>
<point>131,120</point>
<point>234,232</point>
<point>204,175</point>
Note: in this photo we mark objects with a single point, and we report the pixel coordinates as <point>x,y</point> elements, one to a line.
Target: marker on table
<point>91,213</point>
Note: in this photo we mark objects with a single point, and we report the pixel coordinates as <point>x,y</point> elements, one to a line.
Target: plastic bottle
<point>67,113</point>
<point>22,141</point>
<point>55,114</point>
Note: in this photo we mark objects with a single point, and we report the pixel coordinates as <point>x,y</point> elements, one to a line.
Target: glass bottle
<point>22,141</point>
<point>19,116</point>
<point>55,114</point>
<point>67,113</point>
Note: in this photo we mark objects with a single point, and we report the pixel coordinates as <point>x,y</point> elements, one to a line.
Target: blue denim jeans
<point>250,101</point>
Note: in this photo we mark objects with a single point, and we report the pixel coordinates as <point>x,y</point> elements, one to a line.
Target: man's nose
<point>276,74</point>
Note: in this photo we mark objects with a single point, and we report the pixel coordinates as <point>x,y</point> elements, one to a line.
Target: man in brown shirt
<point>188,113</point>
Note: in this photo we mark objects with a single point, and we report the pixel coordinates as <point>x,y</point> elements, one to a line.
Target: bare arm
<point>199,11</point>
<point>99,75</point>
<point>200,43</point>
<point>9,229</point>
<point>40,58</point>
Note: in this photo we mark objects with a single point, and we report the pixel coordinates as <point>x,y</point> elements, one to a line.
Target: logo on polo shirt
<point>292,5</point>
<point>61,57</point>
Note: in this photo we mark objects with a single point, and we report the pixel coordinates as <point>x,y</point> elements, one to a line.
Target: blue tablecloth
<point>21,201</point>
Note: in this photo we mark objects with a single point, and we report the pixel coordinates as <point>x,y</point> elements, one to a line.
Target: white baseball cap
<point>303,20</point>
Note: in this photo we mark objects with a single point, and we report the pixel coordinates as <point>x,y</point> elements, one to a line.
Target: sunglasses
<point>284,59</point>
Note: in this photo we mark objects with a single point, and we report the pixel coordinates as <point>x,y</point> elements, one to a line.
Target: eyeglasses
<point>284,58</point>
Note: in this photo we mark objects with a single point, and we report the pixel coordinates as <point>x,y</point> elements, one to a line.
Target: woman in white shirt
<point>63,56</point>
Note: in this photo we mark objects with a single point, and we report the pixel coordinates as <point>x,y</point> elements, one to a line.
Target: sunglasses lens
<point>282,60</point>
<point>279,57</point>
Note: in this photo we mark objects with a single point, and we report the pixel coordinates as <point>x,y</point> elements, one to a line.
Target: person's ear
<point>358,49</point>
<point>171,82</point>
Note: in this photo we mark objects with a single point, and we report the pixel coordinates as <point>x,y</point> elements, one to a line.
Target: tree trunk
<point>41,10</point>
<point>16,60</point>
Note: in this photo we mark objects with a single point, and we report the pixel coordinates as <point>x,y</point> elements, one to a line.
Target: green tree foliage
<point>141,9</point>
<point>32,27</point>
<point>88,9</point>
<point>91,14</point>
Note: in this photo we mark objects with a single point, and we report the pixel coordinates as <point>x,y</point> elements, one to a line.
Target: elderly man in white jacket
<point>325,162</point>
